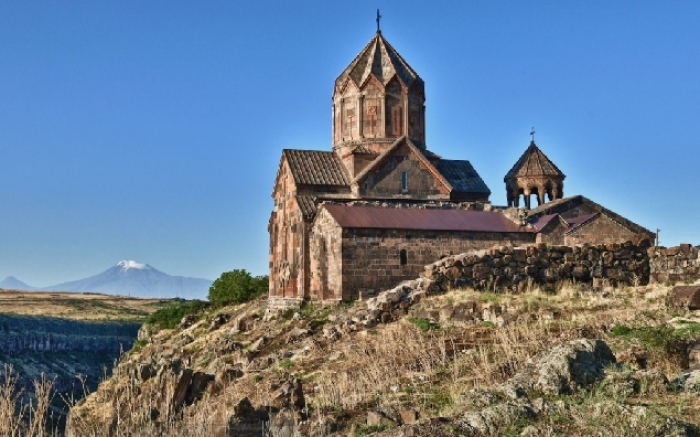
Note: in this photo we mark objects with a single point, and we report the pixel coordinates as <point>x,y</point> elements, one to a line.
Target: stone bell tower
<point>534,173</point>
<point>377,99</point>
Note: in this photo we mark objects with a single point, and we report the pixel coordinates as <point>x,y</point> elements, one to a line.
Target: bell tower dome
<point>534,173</point>
<point>377,99</point>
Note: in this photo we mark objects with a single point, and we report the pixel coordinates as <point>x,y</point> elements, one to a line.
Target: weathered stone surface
<point>283,424</point>
<point>145,371</point>
<point>377,418</point>
<point>181,388</point>
<point>566,367</point>
<point>200,382</point>
<point>188,321</point>
<point>684,296</point>
<point>488,420</point>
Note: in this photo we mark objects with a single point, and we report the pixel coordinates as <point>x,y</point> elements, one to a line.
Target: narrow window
<point>404,181</point>
<point>403,258</point>
<point>396,128</point>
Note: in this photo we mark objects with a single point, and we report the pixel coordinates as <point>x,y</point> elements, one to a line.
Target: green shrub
<point>170,316</point>
<point>423,324</point>
<point>364,430</point>
<point>237,286</point>
<point>650,337</point>
<point>138,345</point>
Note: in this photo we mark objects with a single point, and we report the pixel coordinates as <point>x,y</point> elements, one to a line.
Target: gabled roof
<point>568,225</point>
<point>370,217</point>
<point>462,176</point>
<point>381,60</point>
<point>534,163</point>
<point>312,167</point>
<point>560,206</point>
<point>542,221</point>
<point>363,150</point>
<point>388,152</point>
<point>575,222</point>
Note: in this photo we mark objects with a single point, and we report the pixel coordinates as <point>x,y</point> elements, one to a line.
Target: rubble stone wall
<point>546,266</point>
<point>674,264</point>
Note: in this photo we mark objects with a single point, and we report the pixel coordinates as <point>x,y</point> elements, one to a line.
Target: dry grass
<point>78,306</point>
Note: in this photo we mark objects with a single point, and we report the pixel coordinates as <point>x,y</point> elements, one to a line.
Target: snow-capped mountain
<point>12,283</point>
<point>131,278</point>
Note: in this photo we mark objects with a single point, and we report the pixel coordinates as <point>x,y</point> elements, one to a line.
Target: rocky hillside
<point>418,360</point>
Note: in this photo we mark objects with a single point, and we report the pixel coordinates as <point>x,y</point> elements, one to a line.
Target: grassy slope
<point>412,364</point>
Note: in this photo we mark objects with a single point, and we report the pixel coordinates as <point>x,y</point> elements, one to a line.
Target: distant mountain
<point>12,283</point>
<point>130,278</point>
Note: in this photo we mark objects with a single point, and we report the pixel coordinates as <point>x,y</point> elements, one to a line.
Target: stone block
<point>375,418</point>
<point>684,296</point>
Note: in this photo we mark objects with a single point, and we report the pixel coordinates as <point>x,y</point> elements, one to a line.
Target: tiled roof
<point>370,217</point>
<point>363,150</point>
<point>379,59</point>
<point>462,176</point>
<point>307,205</point>
<point>312,167</point>
<point>534,163</point>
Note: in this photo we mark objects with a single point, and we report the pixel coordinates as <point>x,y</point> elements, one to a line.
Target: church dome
<point>380,60</point>
<point>377,99</point>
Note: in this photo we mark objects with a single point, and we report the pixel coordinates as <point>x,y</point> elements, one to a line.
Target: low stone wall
<point>544,266</point>
<point>674,264</point>
<point>277,305</point>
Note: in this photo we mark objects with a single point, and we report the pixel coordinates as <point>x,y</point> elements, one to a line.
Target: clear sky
<point>152,130</point>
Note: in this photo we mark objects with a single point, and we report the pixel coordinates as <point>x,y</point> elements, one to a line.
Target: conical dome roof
<point>380,60</point>
<point>534,163</point>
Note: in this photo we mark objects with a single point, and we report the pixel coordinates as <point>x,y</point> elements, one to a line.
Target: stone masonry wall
<point>517,268</point>
<point>601,230</point>
<point>372,260</point>
<point>287,234</point>
<point>325,258</point>
<point>386,180</point>
<point>675,264</point>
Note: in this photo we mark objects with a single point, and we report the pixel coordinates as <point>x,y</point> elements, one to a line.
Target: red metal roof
<point>575,222</point>
<point>571,223</point>
<point>541,222</point>
<point>356,216</point>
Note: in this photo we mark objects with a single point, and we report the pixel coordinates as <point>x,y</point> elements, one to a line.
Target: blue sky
<point>152,130</point>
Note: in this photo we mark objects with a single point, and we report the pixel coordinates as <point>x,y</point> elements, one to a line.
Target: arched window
<point>403,257</point>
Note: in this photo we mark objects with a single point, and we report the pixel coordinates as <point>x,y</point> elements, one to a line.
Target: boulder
<point>684,296</point>
<point>377,418</point>
<point>188,321</point>
<point>218,320</point>
<point>566,367</point>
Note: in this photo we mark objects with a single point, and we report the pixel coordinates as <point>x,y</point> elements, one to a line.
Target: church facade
<point>379,205</point>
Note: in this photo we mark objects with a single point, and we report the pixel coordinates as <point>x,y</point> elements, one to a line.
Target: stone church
<point>379,206</point>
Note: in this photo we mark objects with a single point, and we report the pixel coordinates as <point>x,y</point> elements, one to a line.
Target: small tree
<point>237,286</point>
